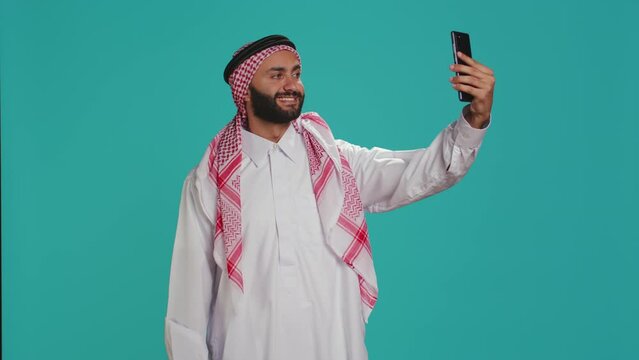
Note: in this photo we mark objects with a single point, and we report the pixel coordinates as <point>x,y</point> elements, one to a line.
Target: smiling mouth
<point>288,100</point>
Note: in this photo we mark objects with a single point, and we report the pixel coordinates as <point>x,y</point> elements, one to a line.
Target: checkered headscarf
<point>333,184</point>
<point>243,74</point>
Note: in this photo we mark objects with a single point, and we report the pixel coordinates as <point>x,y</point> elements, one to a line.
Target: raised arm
<point>390,179</point>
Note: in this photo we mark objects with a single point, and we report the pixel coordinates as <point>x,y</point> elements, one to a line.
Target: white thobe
<point>300,300</point>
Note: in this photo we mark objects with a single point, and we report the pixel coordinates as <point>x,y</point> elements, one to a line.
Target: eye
<point>297,75</point>
<point>276,76</point>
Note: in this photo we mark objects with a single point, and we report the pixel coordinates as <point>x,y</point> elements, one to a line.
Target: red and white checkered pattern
<point>225,160</point>
<point>241,77</point>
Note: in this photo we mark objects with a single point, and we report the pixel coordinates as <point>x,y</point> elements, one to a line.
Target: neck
<point>268,130</point>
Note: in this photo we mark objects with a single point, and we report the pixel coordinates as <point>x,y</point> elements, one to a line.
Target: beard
<point>265,106</point>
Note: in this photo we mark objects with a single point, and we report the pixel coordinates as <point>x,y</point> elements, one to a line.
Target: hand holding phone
<point>475,82</point>
<point>461,42</point>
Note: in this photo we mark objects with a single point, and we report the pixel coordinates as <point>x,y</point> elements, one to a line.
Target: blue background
<point>106,105</point>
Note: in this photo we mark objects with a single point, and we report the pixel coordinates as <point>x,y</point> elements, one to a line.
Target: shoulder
<point>314,118</point>
<point>200,172</point>
<point>199,186</point>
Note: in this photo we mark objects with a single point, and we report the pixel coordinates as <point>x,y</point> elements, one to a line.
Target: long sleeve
<point>389,179</point>
<point>192,275</point>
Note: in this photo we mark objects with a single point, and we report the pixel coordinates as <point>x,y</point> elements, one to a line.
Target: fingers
<point>465,69</point>
<point>474,63</point>
<point>474,74</point>
<point>467,89</point>
<point>477,80</point>
<point>476,83</point>
<point>474,79</point>
<point>469,84</point>
<point>468,80</point>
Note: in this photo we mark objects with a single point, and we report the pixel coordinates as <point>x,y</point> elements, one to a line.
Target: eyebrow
<point>281,68</point>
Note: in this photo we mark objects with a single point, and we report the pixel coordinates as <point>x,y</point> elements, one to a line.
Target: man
<point>271,258</point>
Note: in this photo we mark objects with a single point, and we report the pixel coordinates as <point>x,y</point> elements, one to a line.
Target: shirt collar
<point>257,147</point>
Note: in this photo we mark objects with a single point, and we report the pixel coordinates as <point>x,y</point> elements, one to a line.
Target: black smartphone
<point>461,42</point>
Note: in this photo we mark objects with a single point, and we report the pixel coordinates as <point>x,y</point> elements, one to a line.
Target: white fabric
<point>300,301</point>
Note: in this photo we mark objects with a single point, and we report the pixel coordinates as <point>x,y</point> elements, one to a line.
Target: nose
<point>291,83</point>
